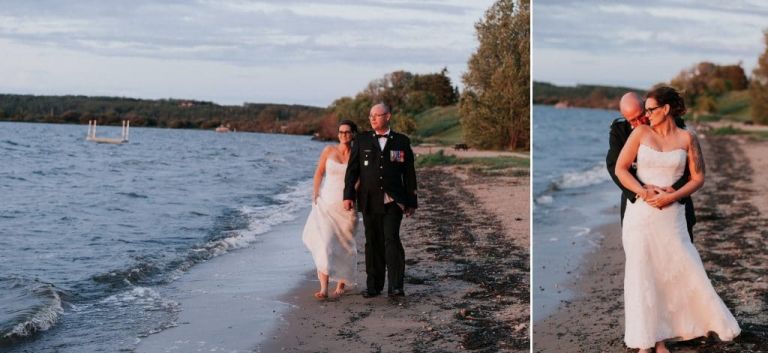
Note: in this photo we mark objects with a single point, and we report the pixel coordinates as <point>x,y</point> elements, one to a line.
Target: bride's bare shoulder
<point>690,137</point>
<point>643,128</point>
<point>640,131</point>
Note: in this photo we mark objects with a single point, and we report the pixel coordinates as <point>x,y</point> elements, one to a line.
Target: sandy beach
<point>467,278</point>
<point>732,212</point>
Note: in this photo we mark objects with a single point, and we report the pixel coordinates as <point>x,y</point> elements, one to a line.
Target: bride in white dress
<point>329,233</point>
<point>667,294</point>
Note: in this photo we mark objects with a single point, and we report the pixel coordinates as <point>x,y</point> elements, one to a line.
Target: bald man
<point>381,161</point>
<point>632,111</point>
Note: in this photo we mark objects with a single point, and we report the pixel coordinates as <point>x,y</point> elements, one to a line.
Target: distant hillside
<point>588,96</point>
<point>735,105</point>
<point>732,106</point>
<point>170,113</point>
<point>439,125</point>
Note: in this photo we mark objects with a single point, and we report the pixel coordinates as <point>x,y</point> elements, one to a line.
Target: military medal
<point>396,156</point>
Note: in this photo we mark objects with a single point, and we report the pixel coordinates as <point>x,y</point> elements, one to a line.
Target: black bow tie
<point>381,136</point>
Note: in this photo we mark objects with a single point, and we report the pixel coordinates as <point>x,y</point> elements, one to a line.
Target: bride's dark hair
<point>668,95</point>
<point>352,126</point>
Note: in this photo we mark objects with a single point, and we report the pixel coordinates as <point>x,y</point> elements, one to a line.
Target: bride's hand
<point>661,200</point>
<point>654,189</point>
<point>314,198</point>
<point>648,192</point>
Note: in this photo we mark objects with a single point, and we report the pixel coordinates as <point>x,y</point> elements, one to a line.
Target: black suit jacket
<point>620,131</point>
<point>391,171</point>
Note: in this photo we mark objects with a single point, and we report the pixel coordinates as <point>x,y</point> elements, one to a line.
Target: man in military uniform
<point>382,161</point>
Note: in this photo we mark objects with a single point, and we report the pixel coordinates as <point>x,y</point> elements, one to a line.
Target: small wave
<point>580,231</point>
<point>592,176</point>
<point>261,219</point>
<point>133,194</point>
<point>9,142</point>
<point>127,277</point>
<point>39,303</point>
<point>15,178</point>
<point>545,199</point>
<point>144,296</point>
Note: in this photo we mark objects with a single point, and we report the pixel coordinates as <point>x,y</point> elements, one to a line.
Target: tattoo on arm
<point>698,157</point>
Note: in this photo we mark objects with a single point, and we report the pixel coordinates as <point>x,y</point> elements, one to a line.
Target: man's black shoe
<point>396,293</point>
<point>369,294</point>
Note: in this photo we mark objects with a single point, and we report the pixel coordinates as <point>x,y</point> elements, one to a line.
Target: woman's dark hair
<point>351,124</point>
<point>668,95</point>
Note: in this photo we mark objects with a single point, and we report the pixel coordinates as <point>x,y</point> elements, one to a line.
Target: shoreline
<point>729,240</point>
<point>230,303</point>
<point>467,279</point>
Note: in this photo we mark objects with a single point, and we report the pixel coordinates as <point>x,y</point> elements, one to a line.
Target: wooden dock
<point>92,134</point>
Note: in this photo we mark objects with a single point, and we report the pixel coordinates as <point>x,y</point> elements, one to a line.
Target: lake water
<point>573,195</point>
<point>88,232</point>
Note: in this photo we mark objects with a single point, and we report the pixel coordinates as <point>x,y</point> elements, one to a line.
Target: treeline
<point>407,94</point>
<point>167,113</point>
<point>586,96</point>
<point>701,84</point>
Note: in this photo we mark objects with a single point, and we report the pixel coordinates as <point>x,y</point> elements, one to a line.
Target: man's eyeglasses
<point>649,111</point>
<point>636,119</point>
<point>378,115</point>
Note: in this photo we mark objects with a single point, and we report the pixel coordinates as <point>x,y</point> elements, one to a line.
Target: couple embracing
<point>375,170</point>
<point>659,164</point>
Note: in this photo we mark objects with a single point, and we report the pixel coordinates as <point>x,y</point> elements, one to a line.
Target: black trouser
<point>383,249</point>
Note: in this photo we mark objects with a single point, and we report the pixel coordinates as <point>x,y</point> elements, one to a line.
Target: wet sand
<point>731,236</point>
<point>467,278</point>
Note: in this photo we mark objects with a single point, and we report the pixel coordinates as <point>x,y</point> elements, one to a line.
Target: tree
<point>403,123</point>
<point>705,81</point>
<point>758,87</point>
<point>494,106</point>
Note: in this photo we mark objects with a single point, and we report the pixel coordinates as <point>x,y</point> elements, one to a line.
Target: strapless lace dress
<point>667,294</point>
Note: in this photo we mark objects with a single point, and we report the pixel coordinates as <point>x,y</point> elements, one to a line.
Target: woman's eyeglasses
<point>649,111</point>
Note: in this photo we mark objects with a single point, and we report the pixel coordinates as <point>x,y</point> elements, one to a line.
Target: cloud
<point>263,36</point>
<point>248,32</point>
<point>681,33</point>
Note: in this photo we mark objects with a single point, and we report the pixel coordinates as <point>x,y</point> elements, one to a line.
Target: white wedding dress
<point>667,294</point>
<point>329,233</point>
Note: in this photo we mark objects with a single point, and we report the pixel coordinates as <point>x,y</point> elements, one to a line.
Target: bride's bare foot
<point>321,295</point>
<point>339,290</point>
<point>661,348</point>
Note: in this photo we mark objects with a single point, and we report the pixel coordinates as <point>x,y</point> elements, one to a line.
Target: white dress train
<point>329,233</point>
<point>667,294</point>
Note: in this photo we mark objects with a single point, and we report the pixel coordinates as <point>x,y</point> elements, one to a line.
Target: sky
<point>229,51</point>
<point>638,44</point>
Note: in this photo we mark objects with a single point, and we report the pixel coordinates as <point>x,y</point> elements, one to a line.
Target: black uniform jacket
<point>391,171</point>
